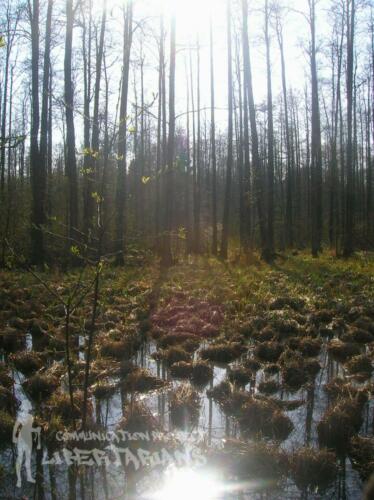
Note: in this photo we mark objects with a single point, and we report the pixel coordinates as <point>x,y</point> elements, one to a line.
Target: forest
<point>186,249</point>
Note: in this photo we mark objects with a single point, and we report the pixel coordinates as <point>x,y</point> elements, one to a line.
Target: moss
<point>26,362</point>
<point>184,407</point>
<point>268,351</point>
<point>312,469</point>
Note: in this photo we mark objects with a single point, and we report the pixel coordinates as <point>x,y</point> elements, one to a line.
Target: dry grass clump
<point>260,416</point>
<point>184,407</point>
<point>40,386</point>
<point>141,380</point>
<point>310,347</point>
<point>286,327</point>
<point>342,351</point>
<point>138,418</point>
<point>252,364</point>
<point>269,351</point>
<point>260,462</point>
<point>361,453</point>
<point>191,345</point>
<point>12,340</point>
<point>120,349</point>
<point>5,379</point>
<point>8,401</point>
<point>267,333</point>
<point>174,354</point>
<point>287,405</point>
<point>339,388</point>
<point>229,399</point>
<point>104,389</point>
<point>339,424</point>
<point>294,376</point>
<point>271,369</point>
<point>202,373</point>
<point>268,386</point>
<point>26,362</point>
<point>360,365</point>
<point>322,316</point>
<point>294,303</point>
<point>358,335</point>
<point>181,370</point>
<point>6,428</point>
<point>313,469</point>
<point>223,352</point>
<point>312,367</point>
<point>172,339</point>
<point>240,376</point>
<point>59,406</point>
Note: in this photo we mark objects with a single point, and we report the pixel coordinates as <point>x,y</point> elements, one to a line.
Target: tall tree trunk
<point>121,195</point>
<point>349,215</point>
<point>227,200</point>
<point>257,171</point>
<point>270,187</point>
<point>213,144</point>
<point>70,160</point>
<point>316,152</point>
<point>36,167</point>
<point>167,256</point>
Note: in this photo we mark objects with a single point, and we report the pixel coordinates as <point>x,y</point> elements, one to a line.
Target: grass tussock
<point>26,362</point>
<point>361,453</point>
<point>181,370</point>
<point>269,351</point>
<point>268,386</point>
<point>184,407</point>
<point>6,428</point>
<point>104,389</point>
<point>141,380</point>
<point>262,417</point>
<point>342,351</point>
<point>8,401</point>
<point>202,373</point>
<point>240,376</point>
<point>339,424</point>
<point>313,470</point>
<point>224,352</point>
<point>40,387</point>
<point>360,365</point>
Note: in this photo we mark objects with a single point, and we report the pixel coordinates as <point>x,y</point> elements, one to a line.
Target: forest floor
<point>269,368</point>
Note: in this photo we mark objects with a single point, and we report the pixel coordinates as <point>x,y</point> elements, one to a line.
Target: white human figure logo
<point>23,431</point>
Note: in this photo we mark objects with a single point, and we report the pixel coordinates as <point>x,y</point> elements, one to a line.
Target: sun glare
<point>192,14</point>
<point>187,484</point>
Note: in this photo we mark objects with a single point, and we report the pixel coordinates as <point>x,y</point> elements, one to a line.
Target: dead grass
<point>361,453</point>
<point>40,387</point>
<point>6,428</point>
<point>26,362</point>
<point>184,407</point>
<point>141,380</point>
<point>342,351</point>
<point>312,469</point>
<point>269,351</point>
<point>223,352</point>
